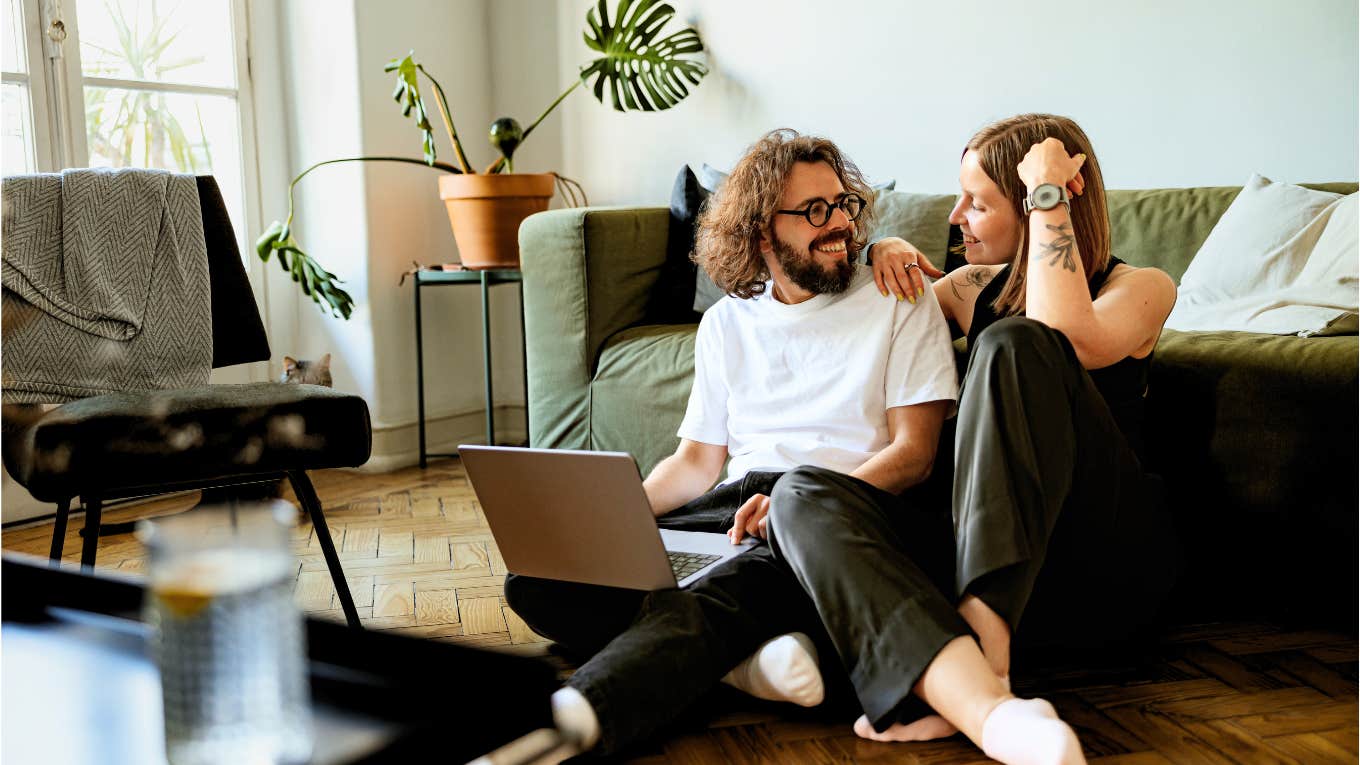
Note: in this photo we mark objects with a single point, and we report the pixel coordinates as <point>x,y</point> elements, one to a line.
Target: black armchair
<point>137,443</point>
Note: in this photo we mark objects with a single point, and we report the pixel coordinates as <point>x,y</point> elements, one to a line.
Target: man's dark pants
<point>655,653</point>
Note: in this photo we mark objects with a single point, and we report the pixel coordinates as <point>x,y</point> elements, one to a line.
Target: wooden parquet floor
<point>420,560</point>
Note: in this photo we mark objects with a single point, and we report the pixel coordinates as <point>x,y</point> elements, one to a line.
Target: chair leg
<point>59,531</point>
<point>90,545</point>
<point>306,494</point>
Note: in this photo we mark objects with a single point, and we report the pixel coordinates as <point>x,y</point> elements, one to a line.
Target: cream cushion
<point>1281,260</point>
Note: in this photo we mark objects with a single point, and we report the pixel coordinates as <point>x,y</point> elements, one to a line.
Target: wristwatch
<point>1046,196</point>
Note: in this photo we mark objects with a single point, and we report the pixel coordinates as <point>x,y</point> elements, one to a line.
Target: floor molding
<point>396,445</point>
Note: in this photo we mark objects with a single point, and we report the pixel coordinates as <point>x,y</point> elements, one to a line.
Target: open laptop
<point>583,517</point>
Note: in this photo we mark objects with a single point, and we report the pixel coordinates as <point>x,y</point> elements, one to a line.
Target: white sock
<point>1028,732</point>
<point>575,717</point>
<point>783,669</point>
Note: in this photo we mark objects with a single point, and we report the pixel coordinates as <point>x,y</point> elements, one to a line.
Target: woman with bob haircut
<point>1059,531</point>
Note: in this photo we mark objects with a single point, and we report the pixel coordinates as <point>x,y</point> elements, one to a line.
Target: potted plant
<point>636,68</point>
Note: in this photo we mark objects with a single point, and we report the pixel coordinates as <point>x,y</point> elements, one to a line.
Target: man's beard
<point>804,270</point>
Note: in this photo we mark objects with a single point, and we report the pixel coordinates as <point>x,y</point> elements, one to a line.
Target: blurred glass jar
<point>227,636</point>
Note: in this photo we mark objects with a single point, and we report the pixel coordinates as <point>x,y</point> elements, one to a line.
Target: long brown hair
<point>1000,147</point>
<point>727,245</point>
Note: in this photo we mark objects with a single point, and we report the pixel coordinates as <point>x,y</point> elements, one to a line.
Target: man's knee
<point>1021,338</point>
<point>801,498</point>
<point>542,602</point>
<point>792,490</point>
<point>522,593</point>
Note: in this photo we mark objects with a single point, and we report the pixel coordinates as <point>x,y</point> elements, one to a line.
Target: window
<point>18,152</point>
<point>147,83</point>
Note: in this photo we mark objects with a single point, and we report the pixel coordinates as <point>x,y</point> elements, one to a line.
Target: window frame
<point>36,81</point>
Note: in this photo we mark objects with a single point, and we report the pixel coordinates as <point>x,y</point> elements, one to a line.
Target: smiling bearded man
<point>803,371</point>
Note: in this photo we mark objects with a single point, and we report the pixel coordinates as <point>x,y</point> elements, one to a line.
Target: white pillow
<point>1262,240</point>
<point>1287,282</point>
<point>1333,259</point>
<point>1329,284</point>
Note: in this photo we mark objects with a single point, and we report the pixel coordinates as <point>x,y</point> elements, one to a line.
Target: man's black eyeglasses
<point>818,212</point>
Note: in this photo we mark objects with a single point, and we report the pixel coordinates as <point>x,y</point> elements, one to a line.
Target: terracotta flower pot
<point>486,210</point>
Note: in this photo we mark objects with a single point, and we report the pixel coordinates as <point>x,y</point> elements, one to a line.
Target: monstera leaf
<point>639,71</point>
<point>320,285</point>
<point>407,93</point>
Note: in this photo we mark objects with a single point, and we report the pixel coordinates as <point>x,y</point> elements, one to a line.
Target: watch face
<point>1047,196</point>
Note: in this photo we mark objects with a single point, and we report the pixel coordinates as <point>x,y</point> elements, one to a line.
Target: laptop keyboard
<point>686,563</point>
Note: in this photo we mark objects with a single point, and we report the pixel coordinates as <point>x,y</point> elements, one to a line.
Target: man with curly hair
<point>802,370</point>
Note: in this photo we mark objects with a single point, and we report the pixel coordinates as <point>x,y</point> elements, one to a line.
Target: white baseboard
<point>397,446</point>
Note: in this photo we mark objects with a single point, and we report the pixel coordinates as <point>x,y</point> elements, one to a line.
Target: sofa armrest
<point>588,274</point>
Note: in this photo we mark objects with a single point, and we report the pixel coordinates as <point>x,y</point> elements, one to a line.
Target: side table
<point>430,278</point>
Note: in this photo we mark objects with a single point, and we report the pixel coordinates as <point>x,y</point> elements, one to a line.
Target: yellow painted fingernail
<point>911,299</point>
<point>885,292</point>
<point>920,291</point>
<point>899,298</point>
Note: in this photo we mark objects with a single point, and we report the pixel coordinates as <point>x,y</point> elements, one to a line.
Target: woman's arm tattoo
<point>1061,247</point>
<point>971,277</point>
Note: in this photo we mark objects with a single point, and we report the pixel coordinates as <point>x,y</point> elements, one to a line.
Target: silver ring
<point>912,265</point>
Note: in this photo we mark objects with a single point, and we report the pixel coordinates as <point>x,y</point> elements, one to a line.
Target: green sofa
<point>1255,435</point>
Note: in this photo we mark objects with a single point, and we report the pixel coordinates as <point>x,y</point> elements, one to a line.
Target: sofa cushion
<point>673,298</point>
<point>640,391</point>
<point>922,219</point>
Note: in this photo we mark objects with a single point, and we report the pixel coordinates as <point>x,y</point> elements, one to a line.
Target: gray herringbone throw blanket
<point>105,277</point>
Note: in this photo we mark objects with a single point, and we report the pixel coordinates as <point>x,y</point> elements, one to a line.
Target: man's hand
<point>895,260</point>
<point>752,518</point>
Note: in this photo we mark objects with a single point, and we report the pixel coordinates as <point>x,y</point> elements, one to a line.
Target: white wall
<point>406,218</point>
<point>326,121</point>
<point>1172,93</point>
<point>369,222</point>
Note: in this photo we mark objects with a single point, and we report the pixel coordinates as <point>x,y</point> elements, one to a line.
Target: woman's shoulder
<point>1125,276</point>
<point>966,282</point>
<point>958,291</point>
<point>975,275</point>
<point>992,269</point>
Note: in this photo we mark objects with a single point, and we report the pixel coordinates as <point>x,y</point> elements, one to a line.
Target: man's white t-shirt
<point>810,384</point>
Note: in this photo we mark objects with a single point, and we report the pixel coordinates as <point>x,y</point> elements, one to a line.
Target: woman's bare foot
<point>925,729</point>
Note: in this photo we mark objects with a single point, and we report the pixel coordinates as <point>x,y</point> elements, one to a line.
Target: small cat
<point>307,372</point>
<point>295,372</point>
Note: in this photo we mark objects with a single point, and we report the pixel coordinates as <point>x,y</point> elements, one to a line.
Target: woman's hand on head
<point>1049,162</point>
<point>893,272</point>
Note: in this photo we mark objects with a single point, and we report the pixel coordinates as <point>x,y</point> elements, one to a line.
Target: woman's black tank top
<point>1122,384</point>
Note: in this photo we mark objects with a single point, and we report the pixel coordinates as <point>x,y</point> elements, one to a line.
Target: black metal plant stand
<point>485,278</point>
